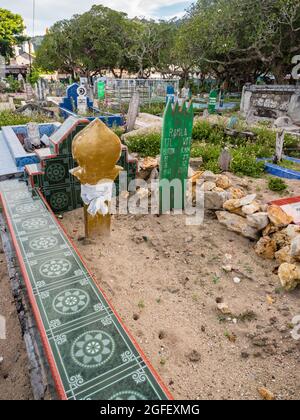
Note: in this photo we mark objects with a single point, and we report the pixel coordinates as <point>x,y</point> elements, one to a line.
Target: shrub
<point>154,109</point>
<point>208,152</point>
<point>245,163</point>
<point>145,145</point>
<point>14,85</point>
<point>119,131</point>
<point>12,118</point>
<point>291,142</point>
<point>277,184</point>
<point>265,137</point>
<point>213,166</point>
<point>202,131</point>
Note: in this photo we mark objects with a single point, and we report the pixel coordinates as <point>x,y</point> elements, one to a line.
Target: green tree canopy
<point>11,32</point>
<point>88,44</point>
<point>234,40</point>
<point>241,39</point>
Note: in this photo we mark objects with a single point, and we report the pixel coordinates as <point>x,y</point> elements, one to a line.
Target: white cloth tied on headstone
<point>96,196</point>
<point>33,134</point>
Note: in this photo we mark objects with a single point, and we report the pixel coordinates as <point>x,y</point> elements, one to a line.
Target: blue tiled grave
<point>68,108</point>
<point>14,136</point>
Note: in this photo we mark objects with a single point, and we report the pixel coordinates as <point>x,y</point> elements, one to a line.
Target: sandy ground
<point>260,187</point>
<point>14,375</point>
<point>165,279</point>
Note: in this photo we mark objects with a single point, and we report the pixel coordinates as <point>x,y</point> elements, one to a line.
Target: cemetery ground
<point>166,279</point>
<point>14,374</point>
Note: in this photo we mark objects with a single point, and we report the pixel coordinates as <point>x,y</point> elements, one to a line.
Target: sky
<point>50,11</point>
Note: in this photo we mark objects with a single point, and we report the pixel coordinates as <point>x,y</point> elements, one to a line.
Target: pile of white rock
<point>276,236</point>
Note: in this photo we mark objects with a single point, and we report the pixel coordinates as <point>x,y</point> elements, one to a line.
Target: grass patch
<point>12,118</point>
<point>208,141</point>
<point>154,109</point>
<point>290,165</point>
<point>277,184</point>
<point>145,145</point>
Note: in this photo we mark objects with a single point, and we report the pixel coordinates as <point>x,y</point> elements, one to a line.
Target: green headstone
<point>175,154</point>
<point>101,90</point>
<point>212,102</point>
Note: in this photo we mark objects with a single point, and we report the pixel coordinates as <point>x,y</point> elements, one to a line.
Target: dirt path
<point>165,280</point>
<point>14,376</point>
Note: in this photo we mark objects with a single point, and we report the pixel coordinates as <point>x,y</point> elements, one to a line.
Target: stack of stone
<point>217,189</point>
<point>278,238</point>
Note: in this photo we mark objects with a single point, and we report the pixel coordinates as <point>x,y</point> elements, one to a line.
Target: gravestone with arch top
<point>70,101</point>
<point>175,153</point>
<point>212,103</point>
<point>82,105</point>
<point>101,89</point>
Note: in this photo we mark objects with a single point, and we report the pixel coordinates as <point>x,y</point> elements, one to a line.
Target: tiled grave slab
<point>54,268</point>
<point>12,185</point>
<point>7,163</point>
<point>90,353</point>
<point>30,224</point>
<point>57,172</point>
<point>60,198</point>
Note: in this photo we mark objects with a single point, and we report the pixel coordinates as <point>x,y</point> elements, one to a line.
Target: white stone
<point>209,176</point>
<point>227,268</point>
<point>258,220</point>
<point>251,208</point>
<point>295,247</point>
<point>215,200</point>
<point>209,186</point>
<point>292,231</point>
<point>247,200</point>
<point>237,224</point>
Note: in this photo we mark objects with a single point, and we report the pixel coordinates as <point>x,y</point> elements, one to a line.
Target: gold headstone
<point>97,149</point>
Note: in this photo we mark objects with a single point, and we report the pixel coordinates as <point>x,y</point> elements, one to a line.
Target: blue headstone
<point>70,100</point>
<point>170,94</point>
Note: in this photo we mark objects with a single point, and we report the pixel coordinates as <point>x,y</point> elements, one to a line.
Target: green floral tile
<point>65,305</point>
<point>38,244</point>
<point>27,208</point>
<point>57,172</point>
<point>93,354</point>
<point>32,224</point>
<point>60,199</point>
<point>137,384</point>
<point>54,268</point>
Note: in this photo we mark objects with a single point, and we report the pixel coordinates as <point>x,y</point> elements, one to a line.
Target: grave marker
<point>82,106</point>
<point>21,80</point>
<point>133,111</point>
<point>97,149</point>
<point>170,94</point>
<point>29,91</point>
<point>175,153</point>
<point>33,133</point>
<point>2,67</point>
<point>212,103</point>
<point>225,160</point>
<point>101,90</point>
<point>280,136</point>
<point>296,69</point>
